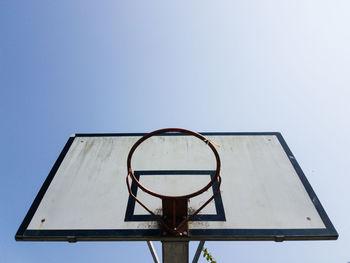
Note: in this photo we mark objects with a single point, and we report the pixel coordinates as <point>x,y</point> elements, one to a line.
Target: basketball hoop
<point>175,208</point>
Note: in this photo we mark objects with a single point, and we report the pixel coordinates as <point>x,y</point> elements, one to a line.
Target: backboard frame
<point>327,233</point>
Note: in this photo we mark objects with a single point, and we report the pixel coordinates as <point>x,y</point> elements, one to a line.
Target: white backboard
<point>264,193</point>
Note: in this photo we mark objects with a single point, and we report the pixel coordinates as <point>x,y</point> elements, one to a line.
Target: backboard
<point>264,194</point>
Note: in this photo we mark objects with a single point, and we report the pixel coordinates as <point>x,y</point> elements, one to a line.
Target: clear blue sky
<point>135,66</point>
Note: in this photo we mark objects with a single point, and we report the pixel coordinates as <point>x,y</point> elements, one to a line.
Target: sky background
<point>135,66</point>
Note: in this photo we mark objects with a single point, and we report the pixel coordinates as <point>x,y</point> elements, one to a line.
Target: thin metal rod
<point>153,252</point>
<point>198,252</point>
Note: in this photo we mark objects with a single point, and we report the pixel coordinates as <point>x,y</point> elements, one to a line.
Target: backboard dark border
<point>195,234</point>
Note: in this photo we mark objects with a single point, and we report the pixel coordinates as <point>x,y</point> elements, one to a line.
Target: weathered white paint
<point>260,188</point>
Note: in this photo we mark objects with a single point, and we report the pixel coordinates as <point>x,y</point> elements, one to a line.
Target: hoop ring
<point>175,130</point>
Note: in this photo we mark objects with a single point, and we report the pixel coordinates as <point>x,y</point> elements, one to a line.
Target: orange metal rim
<point>174,130</point>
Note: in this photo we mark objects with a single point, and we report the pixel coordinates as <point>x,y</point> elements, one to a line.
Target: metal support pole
<point>198,252</point>
<point>175,252</point>
<point>153,252</point>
